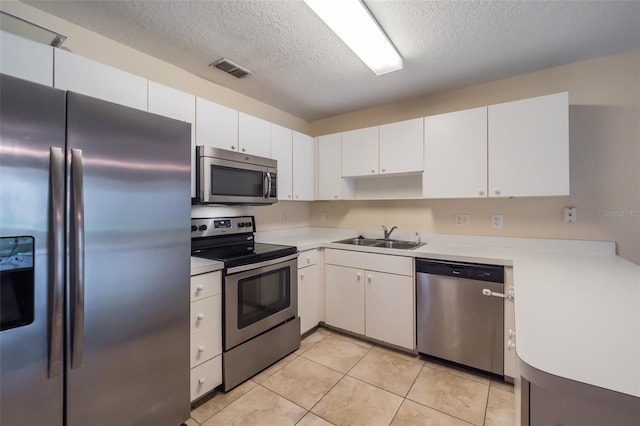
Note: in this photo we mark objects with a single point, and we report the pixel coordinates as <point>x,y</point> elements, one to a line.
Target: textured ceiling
<point>301,67</point>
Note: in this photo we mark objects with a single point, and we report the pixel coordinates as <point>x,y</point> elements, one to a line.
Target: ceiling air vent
<point>231,68</point>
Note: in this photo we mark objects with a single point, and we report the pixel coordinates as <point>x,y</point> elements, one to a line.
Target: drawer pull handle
<point>200,317</point>
<point>200,348</point>
<point>201,381</point>
<point>199,288</point>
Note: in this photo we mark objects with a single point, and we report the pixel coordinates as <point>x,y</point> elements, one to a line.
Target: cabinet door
<point>253,135</point>
<point>529,147</point>
<point>26,59</point>
<point>330,167</point>
<point>344,301</point>
<point>455,154</point>
<point>178,105</point>
<point>281,151</point>
<point>308,297</point>
<point>389,307</point>
<point>360,152</point>
<point>402,147</point>
<point>216,125</point>
<point>303,167</point>
<point>81,75</point>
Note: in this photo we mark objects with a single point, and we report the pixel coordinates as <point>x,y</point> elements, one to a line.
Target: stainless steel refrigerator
<point>94,261</point>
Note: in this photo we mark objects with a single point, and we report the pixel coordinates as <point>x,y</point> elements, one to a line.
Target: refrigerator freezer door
<point>32,120</point>
<point>131,349</point>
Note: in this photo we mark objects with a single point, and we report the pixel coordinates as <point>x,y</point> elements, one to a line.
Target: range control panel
<point>215,226</point>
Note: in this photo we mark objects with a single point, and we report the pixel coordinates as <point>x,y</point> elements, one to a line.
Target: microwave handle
<point>268,186</point>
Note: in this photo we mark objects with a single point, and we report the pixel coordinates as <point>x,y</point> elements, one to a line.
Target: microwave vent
<point>231,68</point>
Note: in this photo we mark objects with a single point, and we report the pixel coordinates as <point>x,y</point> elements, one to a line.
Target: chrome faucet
<point>387,233</point>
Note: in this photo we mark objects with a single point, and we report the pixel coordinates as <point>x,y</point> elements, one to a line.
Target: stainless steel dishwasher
<point>460,313</point>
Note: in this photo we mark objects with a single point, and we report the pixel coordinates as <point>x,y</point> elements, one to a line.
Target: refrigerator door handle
<point>76,259</point>
<point>56,250</point>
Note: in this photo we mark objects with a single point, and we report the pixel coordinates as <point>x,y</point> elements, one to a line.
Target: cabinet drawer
<point>206,377</point>
<point>373,262</point>
<point>205,345</point>
<point>206,313</point>
<point>307,258</point>
<point>206,285</point>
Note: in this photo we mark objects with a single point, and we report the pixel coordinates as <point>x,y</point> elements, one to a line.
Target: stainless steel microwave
<point>229,177</point>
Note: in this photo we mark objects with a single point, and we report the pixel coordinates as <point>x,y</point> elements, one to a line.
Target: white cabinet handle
<point>511,333</point>
<point>480,191</point>
<point>201,381</point>
<point>369,278</point>
<point>301,276</point>
<point>200,348</point>
<point>496,191</point>
<point>384,170</point>
<point>244,150</point>
<point>200,317</point>
<point>297,196</point>
<point>373,171</point>
<point>335,195</point>
<point>199,288</point>
<point>358,276</point>
<point>233,147</point>
<point>308,260</point>
<point>288,195</point>
<point>511,345</point>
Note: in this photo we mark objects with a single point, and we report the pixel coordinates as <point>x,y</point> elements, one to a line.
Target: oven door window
<point>231,181</point>
<point>260,296</point>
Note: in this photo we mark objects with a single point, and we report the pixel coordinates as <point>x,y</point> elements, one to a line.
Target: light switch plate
<point>497,221</point>
<point>462,219</point>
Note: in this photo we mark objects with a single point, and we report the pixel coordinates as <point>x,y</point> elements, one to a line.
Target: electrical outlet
<point>462,219</point>
<point>323,217</point>
<point>497,221</point>
<point>285,217</point>
<point>570,214</point>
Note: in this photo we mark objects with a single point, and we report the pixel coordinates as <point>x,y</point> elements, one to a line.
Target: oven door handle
<point>258,265</point>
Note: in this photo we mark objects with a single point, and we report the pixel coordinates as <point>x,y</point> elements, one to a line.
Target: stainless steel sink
<point>371,242</point>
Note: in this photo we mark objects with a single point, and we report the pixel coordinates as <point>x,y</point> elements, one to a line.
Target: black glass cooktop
<point>244,254</point>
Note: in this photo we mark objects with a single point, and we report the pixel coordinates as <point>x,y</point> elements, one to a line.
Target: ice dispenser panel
<point>16,282</point>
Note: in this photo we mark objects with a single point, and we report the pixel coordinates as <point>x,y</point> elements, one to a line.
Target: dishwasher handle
<point>487,292</point>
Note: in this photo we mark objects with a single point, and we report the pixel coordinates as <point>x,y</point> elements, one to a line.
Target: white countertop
<point>202,266</point>
<point>577,304</point>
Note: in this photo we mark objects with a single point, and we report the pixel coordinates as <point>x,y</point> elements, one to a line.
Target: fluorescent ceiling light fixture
<point>353,23</point>
<point>22,27</point>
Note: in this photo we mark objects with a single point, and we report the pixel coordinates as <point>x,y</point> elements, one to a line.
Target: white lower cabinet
<point>206,333</point>
<point>372,295</point>
<point>510,360</point>
<point>310,290</point>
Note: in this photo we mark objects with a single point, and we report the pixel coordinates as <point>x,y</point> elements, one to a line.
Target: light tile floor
<point>340,380</point>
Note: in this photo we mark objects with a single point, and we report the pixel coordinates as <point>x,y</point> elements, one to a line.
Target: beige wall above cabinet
<point>81,75</point>
<point>330,167</point>
<point>514,149</point>
<point>455,154</point>
<point>529,147</point>
<point>303,167</point>
<point>26,59</point>
<point>172,103</point>
<point>216,125</point>
<point>253,135</point>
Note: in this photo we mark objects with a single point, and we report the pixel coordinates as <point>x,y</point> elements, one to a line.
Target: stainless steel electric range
<point>260,320</point>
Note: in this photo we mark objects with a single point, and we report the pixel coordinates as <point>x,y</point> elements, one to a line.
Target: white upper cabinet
<point>216,125</point>
<point>303,167</point>
<point>281,139</point>
<point>253,135</point>
<point>529,147</point>
<point>401,147</point>
<point>330,167</point>
<point>178,105</point>
<point>26,59</point>
<point>360,152</point>
<point>455,154</point>
<point>81,75</point>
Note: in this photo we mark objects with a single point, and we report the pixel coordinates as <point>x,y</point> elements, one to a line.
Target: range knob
<point>248,224</point>
<point>241,225</point>
<point>194,228</point>
<point>202,227</point>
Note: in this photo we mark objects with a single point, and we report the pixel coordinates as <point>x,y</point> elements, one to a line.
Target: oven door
<point>222,181</point>
<point>258,297</point>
